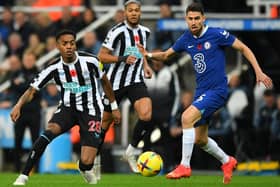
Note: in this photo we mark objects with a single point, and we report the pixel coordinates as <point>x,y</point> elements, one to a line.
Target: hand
<point>131,59</point>
<point>148,72</point>
<point>266,80</point>
<point>15,113</point>
<point>142,50</point>
<point>116,116</point>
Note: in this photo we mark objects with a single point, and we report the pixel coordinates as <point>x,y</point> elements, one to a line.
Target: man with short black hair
<point>76,74</point>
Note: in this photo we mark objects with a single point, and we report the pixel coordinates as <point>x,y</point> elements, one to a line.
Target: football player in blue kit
<point>206,47</point>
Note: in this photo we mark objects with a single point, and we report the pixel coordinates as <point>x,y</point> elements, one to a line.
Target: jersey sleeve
<point>109,40</point>
<point>98,69</point>
<point>43,78</point>
<point>225,38</point>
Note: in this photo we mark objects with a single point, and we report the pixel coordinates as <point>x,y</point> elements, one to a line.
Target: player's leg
<point>211,101</point>
<point>210,146</point>
<point>90,133</point>
<point>139,97</point>
<point>85,164</point>
<point>37,150</point>
<point>60,122</point>
<point>190,116</point>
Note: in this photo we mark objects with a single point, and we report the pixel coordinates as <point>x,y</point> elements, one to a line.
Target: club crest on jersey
<point>207,45</point>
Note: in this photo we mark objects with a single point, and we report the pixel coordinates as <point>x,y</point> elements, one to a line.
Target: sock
<point>187,146</point>
<point>37,151</point>
<point>130,150</point>
<point>139,131</point>
<point>85,167</point>
<point>213,149</point>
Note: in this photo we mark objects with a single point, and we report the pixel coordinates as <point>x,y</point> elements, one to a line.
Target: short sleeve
<point>178,46</point>
<point>225,38</point>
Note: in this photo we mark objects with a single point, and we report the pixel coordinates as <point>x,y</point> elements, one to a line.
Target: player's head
<point>195,18</point>
<point>132,12</point>
<point>66,44</point>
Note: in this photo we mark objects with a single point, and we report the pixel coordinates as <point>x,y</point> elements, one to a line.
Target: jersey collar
<point>202,33</point>
<point>128,26</point>
<point>76,60</point>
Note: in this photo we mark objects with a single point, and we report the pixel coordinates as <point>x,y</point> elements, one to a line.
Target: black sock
<point>139,131</point>
<point>85,167</point>
<point>37,151</point>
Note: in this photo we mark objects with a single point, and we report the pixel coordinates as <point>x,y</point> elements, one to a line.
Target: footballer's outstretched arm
<point>26,97</point>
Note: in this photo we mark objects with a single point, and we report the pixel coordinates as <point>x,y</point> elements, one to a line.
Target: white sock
<point>213,149</point>
<point>187,146</point>
<point>130,150</point>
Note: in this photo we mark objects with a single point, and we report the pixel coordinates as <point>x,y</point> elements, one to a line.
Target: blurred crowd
<point>247,127</point>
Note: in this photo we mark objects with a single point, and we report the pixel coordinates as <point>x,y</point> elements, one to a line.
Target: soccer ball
<point>149,163</point>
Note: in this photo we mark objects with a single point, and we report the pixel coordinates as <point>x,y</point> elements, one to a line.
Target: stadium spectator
<point>90,43</point>
<point>119,16</point>
<point>275,132</point>
<point>75,73</point>
<point>67,21</point>
<point>22,26</point>
<point>35,46</point>
<point>263,125</point>
<point>15,45</point>
<point>44,26</point>
<point>9,67</point>
<point>164,39</point>
<point>31,117</point>
<point>50,43</point>
<point>201,42</point>
<point>6,23</point>
<point>3,49</point>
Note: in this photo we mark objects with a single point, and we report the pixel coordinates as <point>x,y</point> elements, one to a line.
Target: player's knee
<point>54,128</point>
<point>48,135</point>
<point>145,115</point>
<point>186,120</point>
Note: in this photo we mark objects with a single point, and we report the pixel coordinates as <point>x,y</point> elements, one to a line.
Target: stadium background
<point>256,22</point>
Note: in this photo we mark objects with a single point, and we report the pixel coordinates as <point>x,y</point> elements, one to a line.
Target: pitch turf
<point>131,180</point>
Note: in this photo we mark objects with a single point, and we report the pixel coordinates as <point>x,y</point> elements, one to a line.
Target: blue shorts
<point>208,102</point>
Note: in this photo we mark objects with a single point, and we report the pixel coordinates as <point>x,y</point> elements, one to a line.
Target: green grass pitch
<point>131,180</point>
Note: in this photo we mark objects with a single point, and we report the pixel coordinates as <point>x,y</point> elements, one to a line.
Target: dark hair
<point>195,7</point>
<point>63,32</point>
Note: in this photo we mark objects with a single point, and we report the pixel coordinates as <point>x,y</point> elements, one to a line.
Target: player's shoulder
<point>118,28</point>
<point>84,54</point>
<point>218,31</point>
<point>144,28</point>
<point>53,62</point>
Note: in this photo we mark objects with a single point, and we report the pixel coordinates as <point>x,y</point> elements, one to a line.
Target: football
<point>149,163</point>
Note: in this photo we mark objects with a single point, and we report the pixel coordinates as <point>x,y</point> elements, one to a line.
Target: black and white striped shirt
<point>122,40</point>
<point>77,81</point>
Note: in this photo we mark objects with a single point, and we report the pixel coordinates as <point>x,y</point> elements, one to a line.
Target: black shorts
<point>90,126</point>
<point>132,92</point>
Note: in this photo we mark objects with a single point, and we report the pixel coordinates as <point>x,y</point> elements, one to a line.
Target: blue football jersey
<point>208,56</point>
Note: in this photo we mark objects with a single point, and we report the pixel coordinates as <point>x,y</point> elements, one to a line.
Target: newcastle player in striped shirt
<point>126,72</point>
<point>76,74</point>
